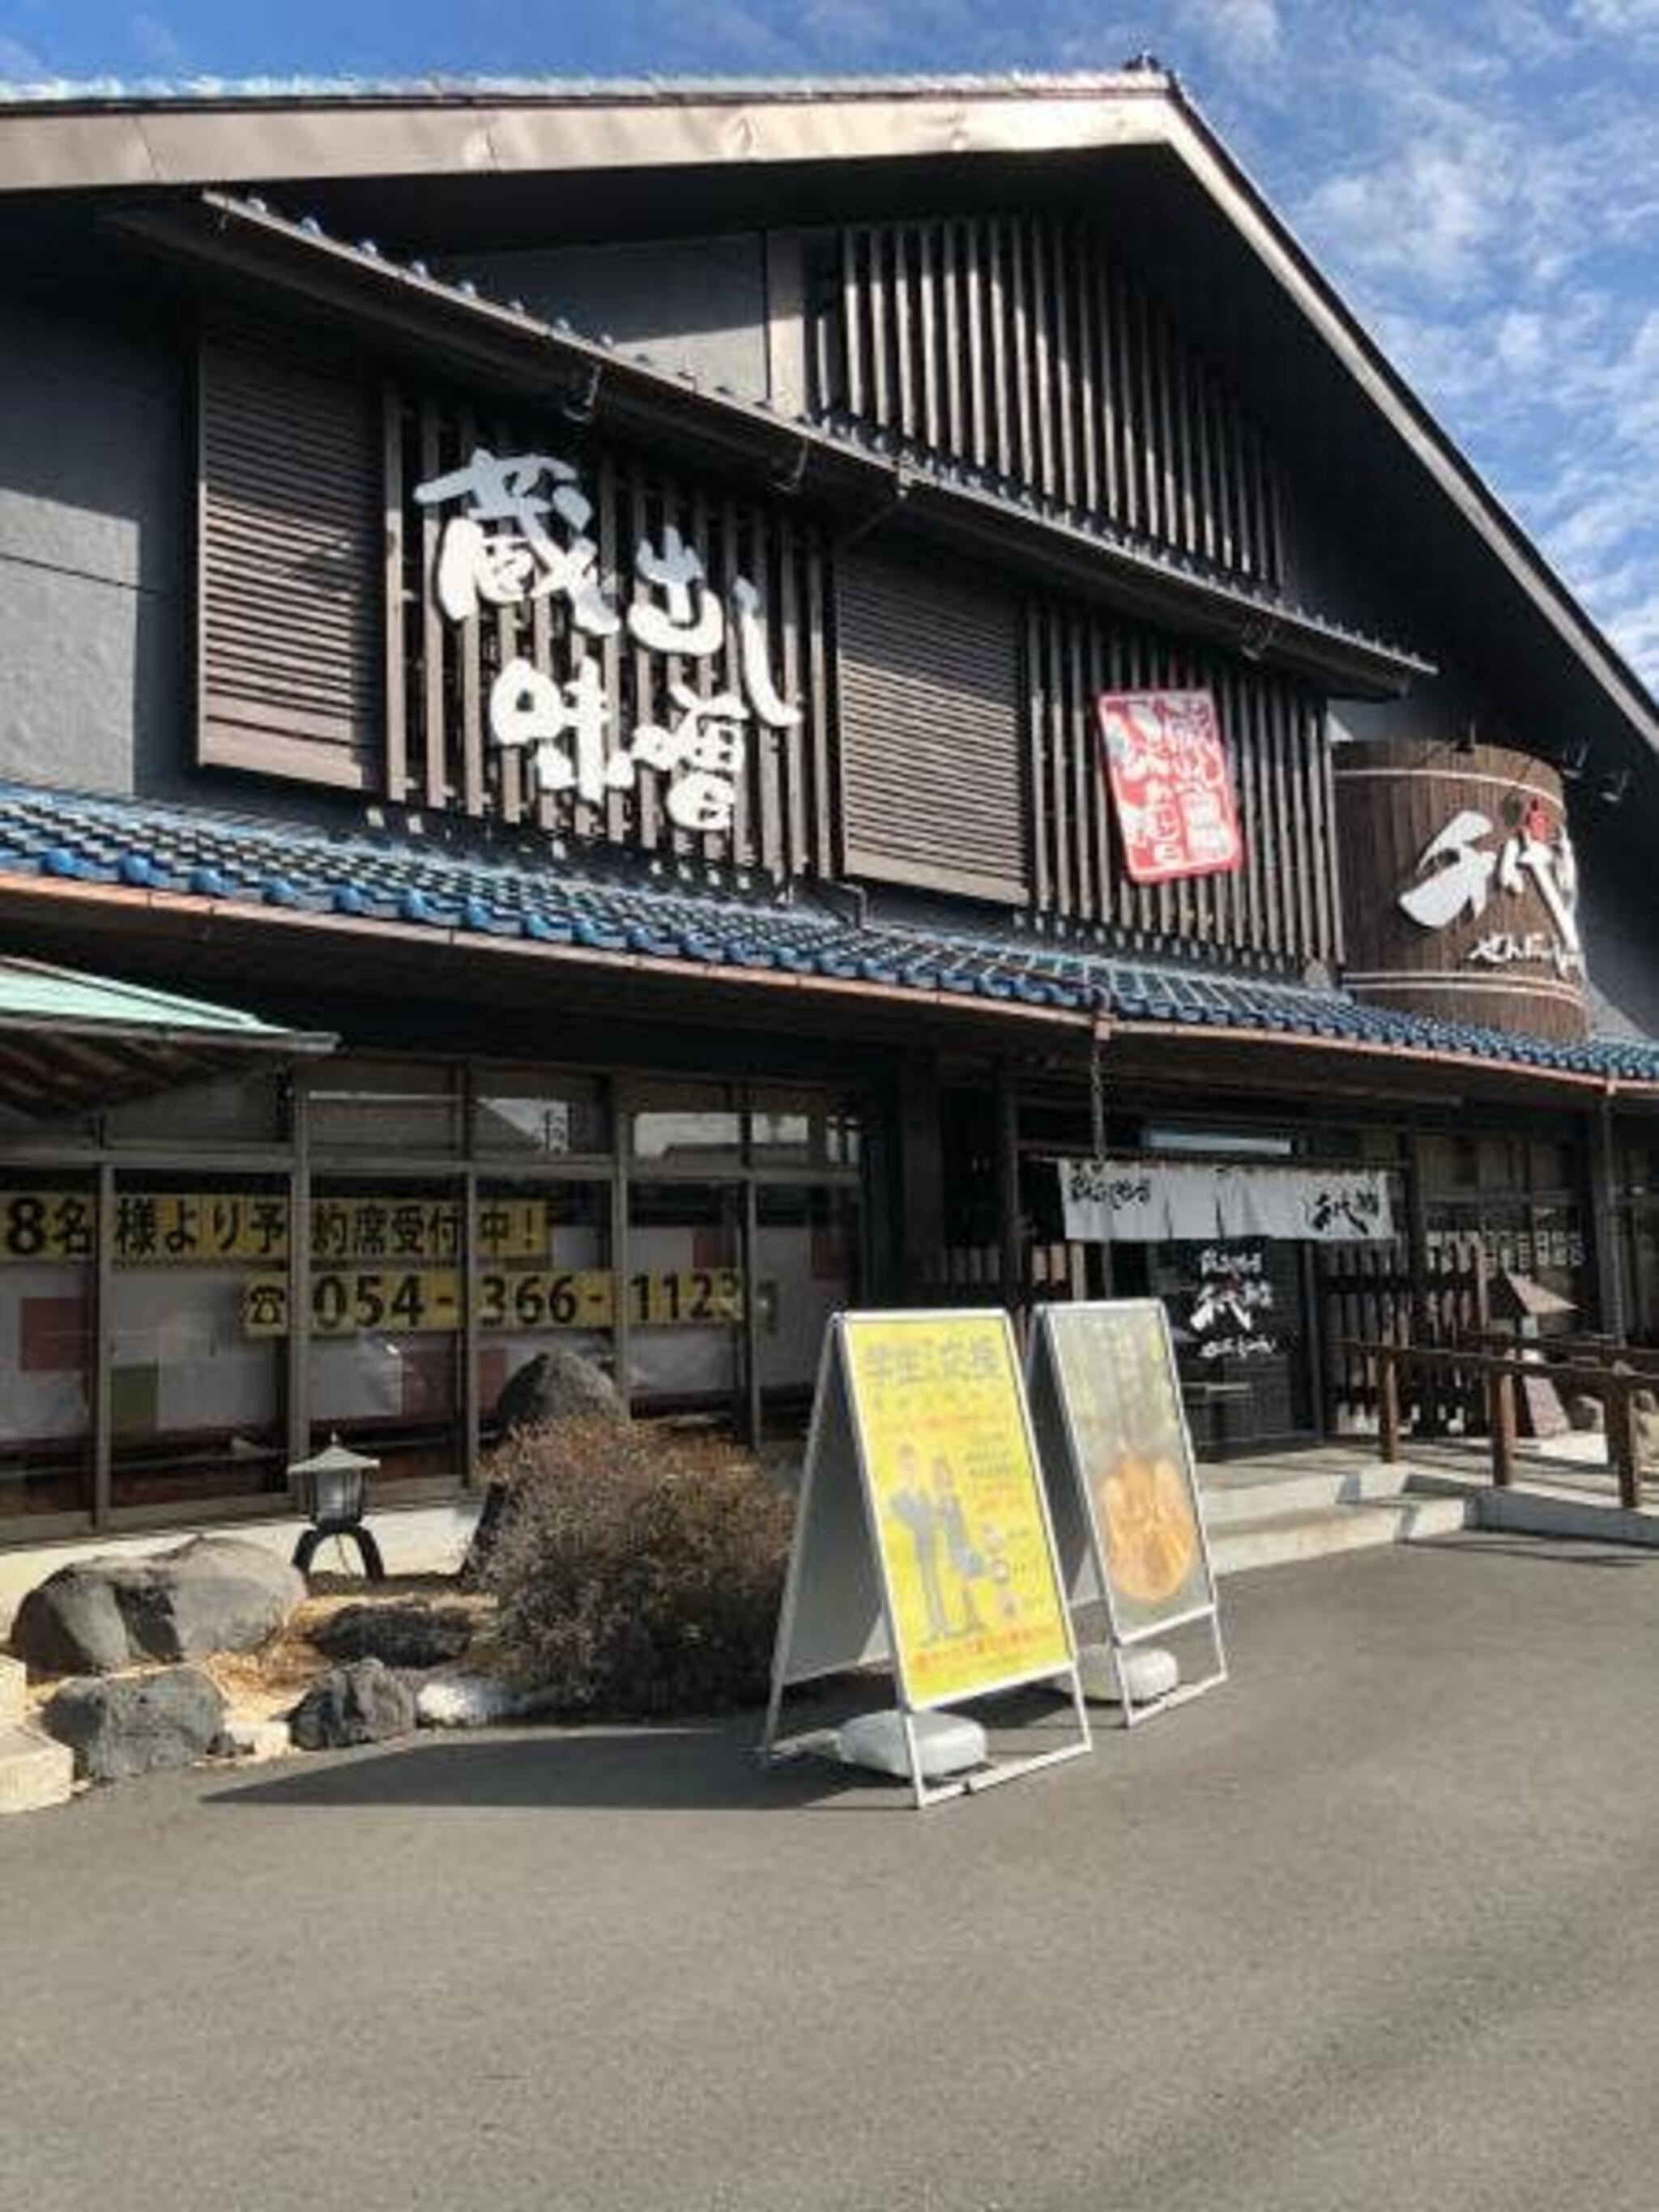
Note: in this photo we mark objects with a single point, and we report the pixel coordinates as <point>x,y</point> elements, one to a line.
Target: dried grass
<point>638,1569</point>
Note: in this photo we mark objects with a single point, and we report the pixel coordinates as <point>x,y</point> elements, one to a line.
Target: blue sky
<point>1480,178</point>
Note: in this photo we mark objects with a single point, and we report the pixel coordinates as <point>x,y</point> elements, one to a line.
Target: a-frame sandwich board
<point>922,1537</point>
<point>1122,1482</point>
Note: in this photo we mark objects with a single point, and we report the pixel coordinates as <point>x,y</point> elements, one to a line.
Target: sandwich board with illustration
<point>1105,1403</point>
<point>922,1537</point>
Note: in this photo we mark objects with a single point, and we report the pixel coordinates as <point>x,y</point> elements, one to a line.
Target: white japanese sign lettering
<point>1458,872</point>
<point>520,535</point>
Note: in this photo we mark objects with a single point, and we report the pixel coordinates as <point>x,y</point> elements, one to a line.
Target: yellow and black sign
<point>392,1301</point>
<point>47,1225</point>
<point>232,1228</point>
<point>394,1228</point>
<point>922,1538</point>
<point>967,1558</point>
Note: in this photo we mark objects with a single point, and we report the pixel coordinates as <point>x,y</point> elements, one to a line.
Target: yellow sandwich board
<point>1105,1403</point>
<point>922,1537</point>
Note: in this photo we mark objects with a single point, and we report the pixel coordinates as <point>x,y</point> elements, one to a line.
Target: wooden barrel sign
<point>1460,890</point>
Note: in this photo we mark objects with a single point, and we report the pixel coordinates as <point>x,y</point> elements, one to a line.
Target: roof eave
<point>633,395</point>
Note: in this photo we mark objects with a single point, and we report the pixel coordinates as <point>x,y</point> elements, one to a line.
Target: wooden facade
<point>945,738</point>
<point>1490,825</point>
<point>1020,344</point>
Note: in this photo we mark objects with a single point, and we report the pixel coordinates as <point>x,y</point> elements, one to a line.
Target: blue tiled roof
<point>365,877</point>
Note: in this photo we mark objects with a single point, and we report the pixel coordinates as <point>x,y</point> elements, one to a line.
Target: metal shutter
<point>933,790</point>
<point>291,569</point>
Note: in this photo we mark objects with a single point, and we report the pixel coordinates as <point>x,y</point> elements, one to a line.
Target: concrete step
<point>1234,1498</point>
<point>34,1771</point>
<point>1274,1540</point>
<point>14,1680</point>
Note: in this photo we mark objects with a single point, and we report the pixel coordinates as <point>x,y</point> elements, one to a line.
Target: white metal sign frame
<point>1072,1507</point>
<point>808,1647</point>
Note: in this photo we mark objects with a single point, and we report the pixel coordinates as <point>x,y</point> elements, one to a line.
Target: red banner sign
<point>1170,783</point>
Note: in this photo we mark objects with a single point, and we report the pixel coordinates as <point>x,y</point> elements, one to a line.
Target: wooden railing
<point>1616,1387</point>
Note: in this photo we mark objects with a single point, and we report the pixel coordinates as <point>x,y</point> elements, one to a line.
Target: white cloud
<point>1241,33</point>
<point>1623,18</point>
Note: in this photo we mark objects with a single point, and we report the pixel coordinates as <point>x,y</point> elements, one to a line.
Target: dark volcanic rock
<point>557,1386</point>
<point>406,1634</point>
<point>363,1703</point>
<point>212,1594</point>
<point>124,1724</point>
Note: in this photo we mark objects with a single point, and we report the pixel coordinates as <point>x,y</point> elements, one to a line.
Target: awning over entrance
<point>249,897</point>
<point>69,1041</point>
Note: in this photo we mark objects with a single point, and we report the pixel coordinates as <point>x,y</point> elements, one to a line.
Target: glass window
<point>387,1316</point>
<point>806,1268</point>
<point>539,1113</point>
<point>545,1280</point>
<point>686,1125</point>
<point>386,1106</point>
<point>47,1242</point>
<point>789,1128</point>
<point>1246,1142</point>
<point>686,1297</point>
<point>199,1356</point>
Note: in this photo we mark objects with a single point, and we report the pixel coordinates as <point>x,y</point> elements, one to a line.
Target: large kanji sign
<point>1170,784</point>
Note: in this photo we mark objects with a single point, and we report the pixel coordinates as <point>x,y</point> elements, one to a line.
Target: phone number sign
<point>399,1302</point>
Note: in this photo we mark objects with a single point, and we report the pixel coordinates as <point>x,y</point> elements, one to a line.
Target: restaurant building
<point>630,714</point>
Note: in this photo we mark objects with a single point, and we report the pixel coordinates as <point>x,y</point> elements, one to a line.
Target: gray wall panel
<point>699,303</point>
<point>94,507</point>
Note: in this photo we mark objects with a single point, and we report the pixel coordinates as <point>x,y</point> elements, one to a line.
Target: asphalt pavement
<point>1375,1925</point>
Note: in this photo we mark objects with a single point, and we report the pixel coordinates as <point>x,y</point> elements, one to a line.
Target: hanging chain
<point>1097,1096</point>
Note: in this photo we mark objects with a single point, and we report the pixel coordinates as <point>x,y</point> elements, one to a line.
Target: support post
<point>1500,1385</point>
<point>1621,1439</point>
<point>1607,1223</point>
<point>1429,1392</point>
<point>1387,1403</point>
<point>1011,1244</point>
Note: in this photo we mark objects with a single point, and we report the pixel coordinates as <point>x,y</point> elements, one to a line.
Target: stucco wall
<point>698,303</point>
<point>93,512</point>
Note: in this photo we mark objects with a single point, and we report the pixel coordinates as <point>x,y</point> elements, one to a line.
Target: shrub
<point>638,1569</point>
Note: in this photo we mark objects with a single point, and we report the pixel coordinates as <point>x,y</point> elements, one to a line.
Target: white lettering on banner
<point>1458,873</point>
<point>1129,1202</point>
<point>521,536</point>
<point>1231,1303</point>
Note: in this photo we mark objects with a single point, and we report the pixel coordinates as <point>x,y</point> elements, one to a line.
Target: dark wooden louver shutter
<point>931,786</point>
<point>292,576</point>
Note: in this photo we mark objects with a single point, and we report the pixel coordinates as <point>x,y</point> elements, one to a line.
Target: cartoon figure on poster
<point>956,1567</point>
<point>957,1505</point>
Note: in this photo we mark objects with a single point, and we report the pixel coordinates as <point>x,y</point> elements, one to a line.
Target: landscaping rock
<point>1586,1413</point>
<point>363,1703</point>
<point>212,1594</point>
<point>1647,1437</point>
<point>72,1623</point>
<point>407,1634</point>
<point>462,1701</point>
<point>557,1386</point>
<point>252,1740</point>
<point>127,1724</point>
